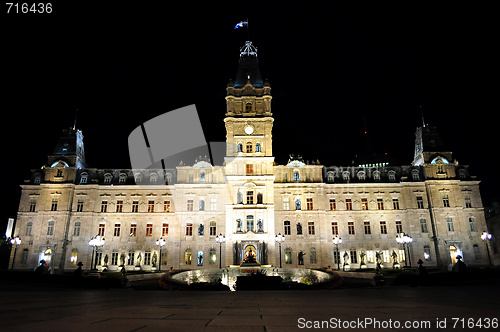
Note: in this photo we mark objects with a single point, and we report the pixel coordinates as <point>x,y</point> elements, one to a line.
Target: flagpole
<point>248,30</point>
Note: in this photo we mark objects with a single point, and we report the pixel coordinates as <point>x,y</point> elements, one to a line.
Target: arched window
<point>74,257</point>
<point>288,256</point>
<point>107,178</point>
<point>213,256</point>
<point>312,256</point>
<point>188,256</point>
<point>37,179</point>
<point>376,175</point>
<point>415,174</point>
<point>257,147</point>
<point>249,147</point>
<point>287,228</point>
<point>138,177</point>
<point>361,175</point>
<point>84,177</point>
<point>24,256</point>
<point>477,252</point>
<point>248,107</point>
<point>169,178</point>
<point>123,178</point>
<point>427,253</point>
<point>296,176</point>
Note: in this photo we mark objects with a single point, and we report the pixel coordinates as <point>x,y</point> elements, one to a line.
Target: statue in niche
<point>155,259</point>
<point>346,260</point>
<point>301,258</point>
<point>362,256</point>
<point>139,259</point>
<point>299,229</point>
<point>260,226</point>
<point>239,225</point>
<point>201,229</point>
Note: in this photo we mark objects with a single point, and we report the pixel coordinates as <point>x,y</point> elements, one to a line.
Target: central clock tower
<point>249,159</point>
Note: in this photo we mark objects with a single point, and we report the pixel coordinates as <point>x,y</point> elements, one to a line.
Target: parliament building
<point>249,199</point>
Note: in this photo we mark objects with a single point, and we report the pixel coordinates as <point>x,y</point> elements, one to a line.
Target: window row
<point>300,256</point>
<point>249,147</point>
<point>351,230</point>
<point>122,178</point>
<point>251,225</point>
<point>249,197</point>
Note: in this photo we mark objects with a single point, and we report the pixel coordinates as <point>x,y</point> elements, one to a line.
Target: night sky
<point>335,71</point>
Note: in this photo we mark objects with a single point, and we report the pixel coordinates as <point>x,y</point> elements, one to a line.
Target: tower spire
<point>422,115</point>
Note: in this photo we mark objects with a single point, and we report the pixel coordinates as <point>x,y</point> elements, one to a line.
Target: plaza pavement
<point>56,309</point>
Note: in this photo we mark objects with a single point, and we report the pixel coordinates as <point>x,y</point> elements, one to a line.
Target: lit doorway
<point>453,254</point>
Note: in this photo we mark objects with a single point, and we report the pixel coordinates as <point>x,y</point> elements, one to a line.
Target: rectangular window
<point>468,202</point>
<point>395,203</point>
<point>285,177</point>
<point>130,258</point>
<point>190,205</point>
<point>348,204</point>
<point>364,203</point>
<point>79,205</point>
<point>446,201</point>
<point>29,228</point>
<point>114,258</point>
<point>166,206</point>
<point>309,203</point>
<point>249,169</point>
<point>213,228</point>
<point>310,228</point>
<point>33,205</point>
<point>380,203</point>
<point>250,224</point>
<point>50,228</point>
<point>335,228</point>
<point>399,226</point>
<point>101,229</point>
<point>164,229</point>
<point>189,229</point>
<point>119,206</point>
<point>135,206</point>
<point>367,227</point>
<point>354,256</point>
<point>76,230</point>
<point>151,206</point>
<point>312,256</point>
<point>249,197</point>
<point>383,227</point>
<point>149,229</point>
<point>287,228</point>
<point>286,203</point>
<point>117,229</point>
<point>420,202</point>
<point>147,258</point>
<point>350,227</point>
<point>333,204</point>
<point>213,204</point>
<point>133,230</point>
<point>53,207</point>
<point>98,258</point>
<point>104,206</point>
<point>449,224</point>
<point>336,257</point>
<point>423,226</point>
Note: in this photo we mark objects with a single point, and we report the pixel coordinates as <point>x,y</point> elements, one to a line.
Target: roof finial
<point>76,115</point>
<point>422,115</point>
<point>248,50</point>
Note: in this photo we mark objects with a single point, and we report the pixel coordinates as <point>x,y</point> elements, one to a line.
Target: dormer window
<point>330,176</point>
<point>392,175</point>
<point>84,178</point>
<point>153,177</point>
<point>248,107</point>
<point>415,174</point>
<point>361,175</point>
<point>123,178</point>
<point>296,176</point>
<point>345,175</point>
<point>107,178</point>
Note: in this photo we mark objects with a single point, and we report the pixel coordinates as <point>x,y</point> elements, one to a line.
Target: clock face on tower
<point>249,130</point>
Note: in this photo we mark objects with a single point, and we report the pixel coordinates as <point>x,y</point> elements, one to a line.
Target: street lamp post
<point>485,237</point>
<point>405,240</point>
<point>220,239</point>
<point>15,241</point>
<point>160,242</point>
<point>280,238</point>
<point>96,241</point>
<point>337,240</point>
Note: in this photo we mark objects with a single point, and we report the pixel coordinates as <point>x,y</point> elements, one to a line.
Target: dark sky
<point>332,69</point>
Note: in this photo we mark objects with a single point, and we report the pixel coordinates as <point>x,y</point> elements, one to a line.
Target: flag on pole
<point>241,24</point>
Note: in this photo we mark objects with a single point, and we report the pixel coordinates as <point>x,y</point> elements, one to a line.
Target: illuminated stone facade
<point>250,200</point>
